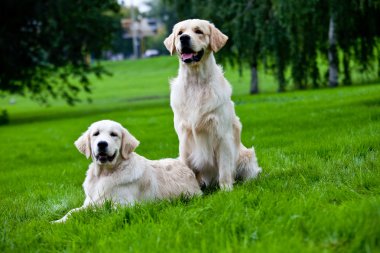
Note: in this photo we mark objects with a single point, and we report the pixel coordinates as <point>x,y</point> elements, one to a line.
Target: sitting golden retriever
<point>122,176</point>
<point>204,115</point>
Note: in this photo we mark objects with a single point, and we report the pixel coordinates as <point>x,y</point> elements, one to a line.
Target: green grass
<point>319,191</point>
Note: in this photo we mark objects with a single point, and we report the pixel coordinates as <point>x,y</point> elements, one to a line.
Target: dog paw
<point>63,220</point>
<point>226,187</point>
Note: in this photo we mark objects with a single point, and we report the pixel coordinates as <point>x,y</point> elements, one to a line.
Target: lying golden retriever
<point>122,176</point>
<point>204,115</point>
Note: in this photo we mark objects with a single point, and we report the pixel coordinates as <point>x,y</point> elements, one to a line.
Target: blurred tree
<point>4,117</point>
<point>45,45</point>
<point>305,27</point>
<point>255,34</point>
<point>244,36</point>
<point>358,33</point>
<point>333,53</point>
<point>280,33</point>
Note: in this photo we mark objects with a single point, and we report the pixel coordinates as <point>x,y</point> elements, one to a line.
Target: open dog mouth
<point>104,157</point>
<point>189,56</point>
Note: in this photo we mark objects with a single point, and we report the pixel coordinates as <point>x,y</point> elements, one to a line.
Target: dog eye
<point>113,134</point>
<point>96,133</point>
<point>180,32</point>
<point>198,31</point>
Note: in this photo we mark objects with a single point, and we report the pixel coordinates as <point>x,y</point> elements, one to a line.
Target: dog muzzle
<point>189,56</point>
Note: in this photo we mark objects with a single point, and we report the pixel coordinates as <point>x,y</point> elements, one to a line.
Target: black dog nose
<point>184,38</point>
<point>102,144</point>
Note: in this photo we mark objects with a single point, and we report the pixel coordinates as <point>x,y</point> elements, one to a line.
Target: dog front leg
<point>64,218</point>
<point>184,136</point>
<point>226,163</point>
<point>87,202</point>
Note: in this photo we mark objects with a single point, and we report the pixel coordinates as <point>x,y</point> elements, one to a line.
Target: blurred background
<point>51,49</point>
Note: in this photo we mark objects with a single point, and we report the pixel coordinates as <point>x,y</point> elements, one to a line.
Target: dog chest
<point>121,185</point>
<point>195,112</point>
<point>94,189</point>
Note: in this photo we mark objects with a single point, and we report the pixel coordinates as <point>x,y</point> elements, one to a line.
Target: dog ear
<point>169,44</point>
<point>83,144</point>
<point>217,39</point>
<point>128,144</point>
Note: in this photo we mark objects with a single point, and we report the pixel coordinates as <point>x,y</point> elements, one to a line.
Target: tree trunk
<point>254,79</point>
<point>346,67</point>
<point>281,80</point>
<point>378,64</point>
<point>315,74</point>
<point>333,55</point>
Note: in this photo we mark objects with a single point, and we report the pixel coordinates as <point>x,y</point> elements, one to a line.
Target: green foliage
<point>45,45</point>
<point>281,34</point>
<point>319,191</point>
<point>306,25</point>
<point>358,35</point>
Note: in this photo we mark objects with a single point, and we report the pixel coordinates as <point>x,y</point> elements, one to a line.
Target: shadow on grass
<point>89,110</point>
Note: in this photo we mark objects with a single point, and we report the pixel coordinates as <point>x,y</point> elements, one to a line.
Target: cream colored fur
<point>129,177</point>
<point>204,115</point>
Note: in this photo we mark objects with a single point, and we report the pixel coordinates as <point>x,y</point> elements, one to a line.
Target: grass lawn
<point>319,190</point>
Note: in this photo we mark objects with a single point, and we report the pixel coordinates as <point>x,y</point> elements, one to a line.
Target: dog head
<point>106,142</point>
<point>193,38</point>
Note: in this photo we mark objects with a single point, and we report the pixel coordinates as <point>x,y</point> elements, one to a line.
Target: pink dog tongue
<point>186,56</point>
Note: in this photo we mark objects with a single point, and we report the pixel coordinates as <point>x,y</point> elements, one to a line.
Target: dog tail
<point>247,165</point>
